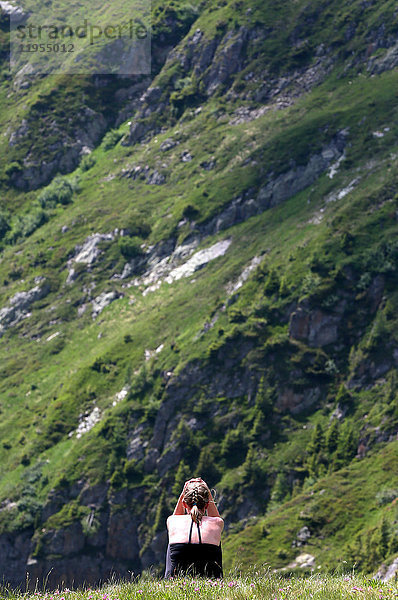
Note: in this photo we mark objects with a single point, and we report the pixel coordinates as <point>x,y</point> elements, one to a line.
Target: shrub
<point>12,168</point>
<point>233,447</point>
<point>110,139</point>
<point>272,284</point>
<point>190,212</point>
<point>27,224</point>
<point>310,283</point>
<point>60,191</point>
<point>4,224</point>
<point>87,162</point>
<point>137,227</point>
<point>130,247</point>
<point>132,471</point>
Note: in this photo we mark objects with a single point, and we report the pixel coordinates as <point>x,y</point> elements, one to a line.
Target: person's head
<point>196,499</point>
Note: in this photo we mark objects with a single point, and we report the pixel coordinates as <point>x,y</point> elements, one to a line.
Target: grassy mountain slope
<point>211,289</point>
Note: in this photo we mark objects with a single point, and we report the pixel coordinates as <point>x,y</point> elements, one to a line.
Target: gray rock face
<point>14,554</point>
<point>122,540</point>
<point>388,573</point>
<point>387,63</point>
<point>275,190</point>
<point>87,253</point>
<point>136,445</point>
<point>66,152</point>
<point>135,172</point>
<point>75,556</point>
<point>19,306</point>
<point>227,60</point>
<point>272,193</point>
<point>297,402</point>
<point>214,62</point>
<point>64,542</point>
<point>315,327</point>
<point>102,301</point>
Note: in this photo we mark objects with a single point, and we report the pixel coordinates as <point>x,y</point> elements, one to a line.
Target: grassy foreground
<point>250,587</point>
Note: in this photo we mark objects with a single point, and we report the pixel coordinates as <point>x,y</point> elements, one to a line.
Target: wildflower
<point>140,591</point>
<point>252,585</point>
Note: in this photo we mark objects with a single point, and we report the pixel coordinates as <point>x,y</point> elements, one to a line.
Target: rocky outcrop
<point>387,573</point>
<point>20,304</point>
<point>87,253</point>
<point>102,301</point>
<point>274,191</point>
<point>297,402</point>
<point>163,262</point>
<point>384,63</point>
<point>104,543</point>
<point>314,327</point>
<point>151,177</point>
<point>66,152</point>
<point>14,556</point>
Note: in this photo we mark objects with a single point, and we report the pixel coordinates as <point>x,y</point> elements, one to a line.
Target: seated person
<point>194,538</point>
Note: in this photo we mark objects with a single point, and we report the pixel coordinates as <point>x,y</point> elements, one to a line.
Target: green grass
<point>322,255</point>
<point>259,584</point>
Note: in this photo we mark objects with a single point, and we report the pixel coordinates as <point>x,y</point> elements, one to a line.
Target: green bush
<point>132,471</point>
<point>272,284</point>
<point>111,138</point>
<point>130,247</point>
<point>87,162</point>
<point>60,191</point>
<point>12,168</point>
<point>27,224</point>
<point>4,224</point>
<point>137,227</point>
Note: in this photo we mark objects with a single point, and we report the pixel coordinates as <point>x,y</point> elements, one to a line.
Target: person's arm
<point>179,509</point>
<point>212,510</point>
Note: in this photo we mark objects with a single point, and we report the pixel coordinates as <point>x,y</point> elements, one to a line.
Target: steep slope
<point>209,285</point>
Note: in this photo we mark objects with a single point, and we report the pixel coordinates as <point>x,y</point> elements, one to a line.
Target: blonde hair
<point>196,497</point>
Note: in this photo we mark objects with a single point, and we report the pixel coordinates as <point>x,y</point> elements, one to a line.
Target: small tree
<point>4,224</point>
<point>317,442</point>
<point>265,397</point>
<point>207,467</point>
<point>182,475</point>
<point>281,488</point>
<point>332,438</point>
<point>273,283</point>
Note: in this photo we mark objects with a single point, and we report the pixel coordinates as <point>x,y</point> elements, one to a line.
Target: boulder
<point>303,561</point>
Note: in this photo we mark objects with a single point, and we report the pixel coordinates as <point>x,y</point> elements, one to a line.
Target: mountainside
<point>198,276</point>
